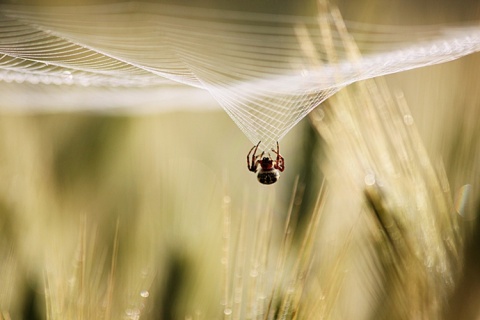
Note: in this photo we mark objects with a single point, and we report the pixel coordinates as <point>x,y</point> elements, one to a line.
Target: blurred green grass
<point>68,179</point>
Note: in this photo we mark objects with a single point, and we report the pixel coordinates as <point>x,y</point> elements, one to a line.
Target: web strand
<point>255,66</point>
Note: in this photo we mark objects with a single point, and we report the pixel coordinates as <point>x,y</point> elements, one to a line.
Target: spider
<point>270,169</point>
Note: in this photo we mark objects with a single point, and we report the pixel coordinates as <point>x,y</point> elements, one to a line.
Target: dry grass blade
<point>374,144</point>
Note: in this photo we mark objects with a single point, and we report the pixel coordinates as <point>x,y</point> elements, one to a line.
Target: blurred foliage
<point>156,217</point>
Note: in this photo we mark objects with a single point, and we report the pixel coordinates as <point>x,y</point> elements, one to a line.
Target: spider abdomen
<point>268,176</point>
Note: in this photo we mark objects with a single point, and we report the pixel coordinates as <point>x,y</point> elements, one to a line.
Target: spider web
<point>266,71</point>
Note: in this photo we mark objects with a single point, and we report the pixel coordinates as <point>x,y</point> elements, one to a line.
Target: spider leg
<point>253,166</point>
<point>280,162</point>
